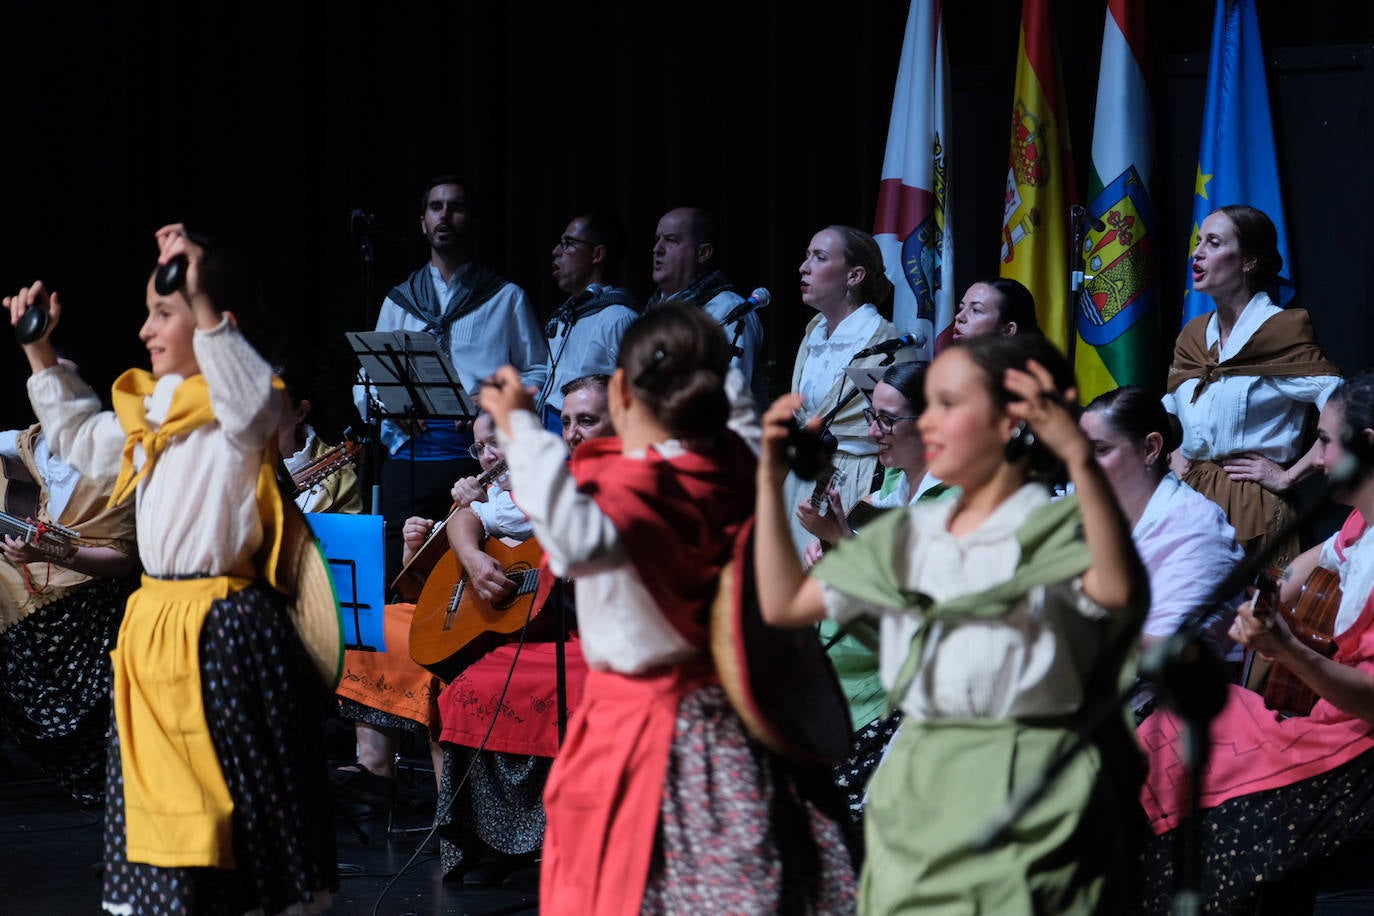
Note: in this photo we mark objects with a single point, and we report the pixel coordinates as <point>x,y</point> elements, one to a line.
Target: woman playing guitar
<point>1313,774</point>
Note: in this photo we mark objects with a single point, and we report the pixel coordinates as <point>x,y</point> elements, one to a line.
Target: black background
<point>266,126</point>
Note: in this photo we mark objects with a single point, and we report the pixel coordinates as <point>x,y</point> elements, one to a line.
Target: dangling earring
<point>849,294</point>
<point>1021,441</point>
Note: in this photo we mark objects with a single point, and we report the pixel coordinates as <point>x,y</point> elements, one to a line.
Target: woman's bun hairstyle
<point>1258,239</point>
<point>675,358</point>
<point>1135,413</point>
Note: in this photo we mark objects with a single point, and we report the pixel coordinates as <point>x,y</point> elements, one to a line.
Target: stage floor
<point>50,849</point>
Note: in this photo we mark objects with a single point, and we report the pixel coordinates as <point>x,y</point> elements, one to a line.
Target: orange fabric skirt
<point>390,680</point>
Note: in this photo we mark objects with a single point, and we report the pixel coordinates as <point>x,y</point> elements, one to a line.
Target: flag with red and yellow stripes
<point>1040,183</point>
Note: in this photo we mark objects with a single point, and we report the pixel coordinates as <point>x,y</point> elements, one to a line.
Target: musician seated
<point>1281,794</point>
<point>324,475</point>
<point>386,694</point>
<point>496,823</point>
<point>897,403</point>
<point>60,611</point>
<point>586,414</point>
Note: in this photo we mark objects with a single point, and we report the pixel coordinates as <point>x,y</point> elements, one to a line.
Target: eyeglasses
<point>481,445</point>
<point>885,423</point>
<point>568,243</point>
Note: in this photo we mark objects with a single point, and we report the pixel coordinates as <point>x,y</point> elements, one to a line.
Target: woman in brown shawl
<point>1242,379</point>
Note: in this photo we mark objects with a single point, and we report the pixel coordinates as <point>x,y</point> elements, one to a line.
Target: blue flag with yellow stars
<point>1237,162</point>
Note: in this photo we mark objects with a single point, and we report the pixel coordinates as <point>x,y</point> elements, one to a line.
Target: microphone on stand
<point>758,299</point>
<point>1080,214</point>
<point>892,346</point>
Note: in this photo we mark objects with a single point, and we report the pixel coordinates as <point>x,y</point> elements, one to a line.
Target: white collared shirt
<point>829,354</point>
<point>1187,547</point>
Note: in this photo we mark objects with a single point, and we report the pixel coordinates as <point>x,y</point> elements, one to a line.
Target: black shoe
<point>494,872</point>
<point>363,785</point>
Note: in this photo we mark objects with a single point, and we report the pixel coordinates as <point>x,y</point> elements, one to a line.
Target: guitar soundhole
<point>515,571</point>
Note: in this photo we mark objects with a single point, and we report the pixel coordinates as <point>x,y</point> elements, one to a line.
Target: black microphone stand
<point>1080,220</point>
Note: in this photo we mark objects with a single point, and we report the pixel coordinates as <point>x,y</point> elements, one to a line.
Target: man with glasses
<point>684,260</point>
<point>584,333</point>
<point>482,320</point>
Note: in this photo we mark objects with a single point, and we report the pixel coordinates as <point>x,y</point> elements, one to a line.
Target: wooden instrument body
<point>1312,618</point>
<point>453,625</point>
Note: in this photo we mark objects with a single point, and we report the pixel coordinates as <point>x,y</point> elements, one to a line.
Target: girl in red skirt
<point>659,800</point>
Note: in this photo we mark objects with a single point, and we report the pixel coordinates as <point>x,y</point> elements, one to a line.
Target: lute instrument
<point>19,495</point>
<point>1312,619</point>
<point>329,463</point>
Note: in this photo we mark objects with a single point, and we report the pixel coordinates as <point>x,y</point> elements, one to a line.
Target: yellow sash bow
<point>190,409</point>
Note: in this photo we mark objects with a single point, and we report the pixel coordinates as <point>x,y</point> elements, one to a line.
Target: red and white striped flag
<point>912,225</point>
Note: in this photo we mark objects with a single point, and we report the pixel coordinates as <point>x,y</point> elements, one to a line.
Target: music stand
<point>411,378</point>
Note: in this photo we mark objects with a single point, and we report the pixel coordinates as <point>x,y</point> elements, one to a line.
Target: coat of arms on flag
<point>1119,288</point>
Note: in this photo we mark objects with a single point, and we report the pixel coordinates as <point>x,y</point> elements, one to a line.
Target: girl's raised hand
<point>502,394</point>
<point>1042,407</point>
<point>35,296</point>
<point>173,242</point>
<point>777,421</point>
<point>40,353</point>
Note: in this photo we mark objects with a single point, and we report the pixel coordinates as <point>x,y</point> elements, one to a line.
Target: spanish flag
<point>1116,313</point>
<point>1040,183</point>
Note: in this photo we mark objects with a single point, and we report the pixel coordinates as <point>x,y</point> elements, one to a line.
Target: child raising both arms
<point>1002,616</point>
<point>659,800</point>
<point>216,793</point>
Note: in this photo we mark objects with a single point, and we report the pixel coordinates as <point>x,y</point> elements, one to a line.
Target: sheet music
<point>866,378</point>
<point>399,363</point>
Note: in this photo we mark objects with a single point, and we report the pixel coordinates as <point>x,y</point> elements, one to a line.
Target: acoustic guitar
<point>1312,618</point>
<point>453,626</point>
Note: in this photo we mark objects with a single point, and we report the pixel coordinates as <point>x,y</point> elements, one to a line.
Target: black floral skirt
<point>499,808</point>
<point>265,706</point>
<point>55,684</point>
<point>1255,841</point>
<point>741,830</point>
